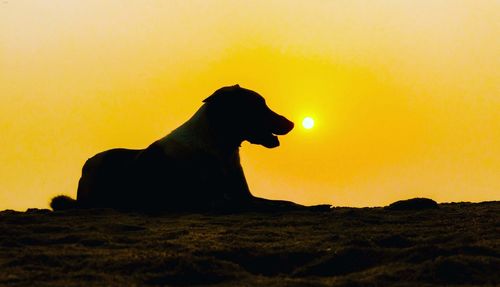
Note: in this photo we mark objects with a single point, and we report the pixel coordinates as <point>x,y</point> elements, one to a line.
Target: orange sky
<point>405,94</point>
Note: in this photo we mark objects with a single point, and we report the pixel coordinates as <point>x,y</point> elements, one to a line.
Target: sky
<point>405,94</point>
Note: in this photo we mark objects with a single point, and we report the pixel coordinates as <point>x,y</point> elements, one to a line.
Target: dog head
<point>243,115</point>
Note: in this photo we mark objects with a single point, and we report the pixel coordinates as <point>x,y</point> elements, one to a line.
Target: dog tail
<point>63,202</point>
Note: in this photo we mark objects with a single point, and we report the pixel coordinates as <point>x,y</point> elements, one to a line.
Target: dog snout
<point>283,126</point>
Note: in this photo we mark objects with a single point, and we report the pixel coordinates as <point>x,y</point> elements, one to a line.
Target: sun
<point>308,123</point>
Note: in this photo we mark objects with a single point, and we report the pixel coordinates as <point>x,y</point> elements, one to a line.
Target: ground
<point>457,244</point>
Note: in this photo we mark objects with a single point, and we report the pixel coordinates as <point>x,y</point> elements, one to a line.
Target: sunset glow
<point>406,92</point>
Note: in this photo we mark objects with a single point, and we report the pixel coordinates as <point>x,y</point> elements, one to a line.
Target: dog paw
<point>320,207</point>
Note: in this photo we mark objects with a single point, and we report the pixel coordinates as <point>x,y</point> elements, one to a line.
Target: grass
<point>456,244</point>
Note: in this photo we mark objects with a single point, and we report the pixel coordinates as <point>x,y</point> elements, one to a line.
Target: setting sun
<point>308,123</point>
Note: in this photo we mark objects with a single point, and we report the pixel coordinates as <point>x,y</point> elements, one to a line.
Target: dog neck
<point>200,133</point>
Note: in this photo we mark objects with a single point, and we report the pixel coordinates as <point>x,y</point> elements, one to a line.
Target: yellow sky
<point>405,94</point>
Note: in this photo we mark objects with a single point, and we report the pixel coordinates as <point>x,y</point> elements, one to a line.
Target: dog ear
<point>222,91</point>
<point>210,98</point>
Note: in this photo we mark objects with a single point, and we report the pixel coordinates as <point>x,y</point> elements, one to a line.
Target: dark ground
<point>457,244</point>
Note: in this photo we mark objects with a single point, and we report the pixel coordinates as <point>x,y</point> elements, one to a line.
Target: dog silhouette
<point>195,167</point>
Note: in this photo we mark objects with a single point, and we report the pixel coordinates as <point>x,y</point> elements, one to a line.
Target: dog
<point>194,168</point>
